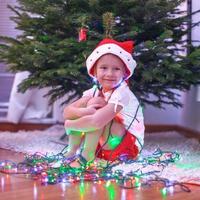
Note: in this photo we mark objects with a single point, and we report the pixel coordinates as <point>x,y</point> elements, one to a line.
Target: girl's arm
<point>94,121</point>
<point>78,109</point>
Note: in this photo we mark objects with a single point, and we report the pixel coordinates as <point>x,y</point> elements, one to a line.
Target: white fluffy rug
<point>34,141</point>
<point>186,169</point>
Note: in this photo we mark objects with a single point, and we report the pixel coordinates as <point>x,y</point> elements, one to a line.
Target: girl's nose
<point>110,72</point>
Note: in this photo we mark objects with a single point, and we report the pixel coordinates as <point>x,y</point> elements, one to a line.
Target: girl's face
<point>109,71</point>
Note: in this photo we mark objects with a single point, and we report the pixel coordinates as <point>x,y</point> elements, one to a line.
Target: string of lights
<point>142,173</point>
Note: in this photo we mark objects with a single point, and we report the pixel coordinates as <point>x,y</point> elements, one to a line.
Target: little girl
<point>107,122</point>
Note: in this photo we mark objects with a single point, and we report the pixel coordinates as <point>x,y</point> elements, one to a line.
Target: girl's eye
<point>102,67</point>
<point>117,68</point>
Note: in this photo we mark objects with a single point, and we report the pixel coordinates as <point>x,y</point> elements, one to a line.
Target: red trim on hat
<point>127,45</point>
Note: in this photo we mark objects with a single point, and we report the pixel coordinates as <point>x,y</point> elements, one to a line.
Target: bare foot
<point>75,164</point>
<point>67,157</point>
<point>70,153</point>
<point>100,162</point>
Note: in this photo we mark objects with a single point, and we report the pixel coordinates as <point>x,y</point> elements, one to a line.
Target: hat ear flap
<point>128,46</point>
<point>93,70</point>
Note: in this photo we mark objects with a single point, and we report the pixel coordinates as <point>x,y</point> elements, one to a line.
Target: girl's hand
<point>96,102</point>
<point>89,110</point>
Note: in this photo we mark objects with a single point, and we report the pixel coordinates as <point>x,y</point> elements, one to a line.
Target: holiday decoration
<point>49,49</point>
<point>145,171</point>
<point>82,34</point>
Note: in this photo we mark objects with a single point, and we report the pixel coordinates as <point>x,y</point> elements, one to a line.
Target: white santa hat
<point>123,50</point>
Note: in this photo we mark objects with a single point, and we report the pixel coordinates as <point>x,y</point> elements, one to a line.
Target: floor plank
<point>23,187</point>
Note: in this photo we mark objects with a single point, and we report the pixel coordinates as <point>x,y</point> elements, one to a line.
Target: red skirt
<point>126,149</point>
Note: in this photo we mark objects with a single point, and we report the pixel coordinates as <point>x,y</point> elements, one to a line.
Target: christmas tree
<point>50,49</point>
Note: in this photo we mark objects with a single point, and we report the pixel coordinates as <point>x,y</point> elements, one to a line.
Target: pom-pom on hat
<point>123,50</point>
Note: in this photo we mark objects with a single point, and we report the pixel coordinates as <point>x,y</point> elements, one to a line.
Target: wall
<point>191,112</point>
<point>7,27</point>
<point>169,115</point>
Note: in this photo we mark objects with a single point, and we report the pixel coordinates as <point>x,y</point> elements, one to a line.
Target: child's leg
<point>93,138</point>
<point>101,136</point>
<point>120,143</point>
<point>89,148</point>
<point>90,144</point>
<point>113,135</point>
<point>74,142</point>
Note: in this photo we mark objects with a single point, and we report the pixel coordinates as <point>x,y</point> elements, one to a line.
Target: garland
<point>144,171</point>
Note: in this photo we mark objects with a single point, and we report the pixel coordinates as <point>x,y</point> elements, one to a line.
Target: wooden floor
<point>24,187</point>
